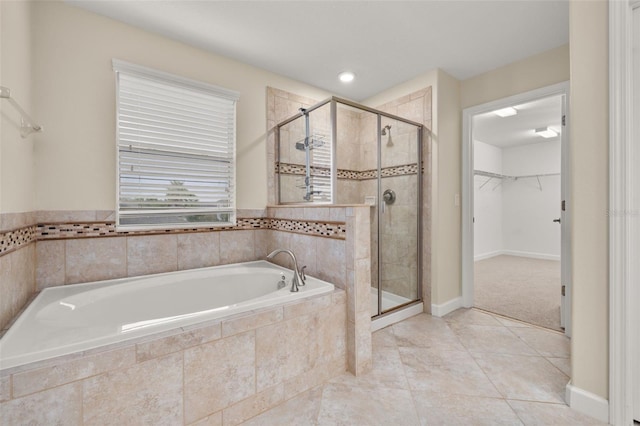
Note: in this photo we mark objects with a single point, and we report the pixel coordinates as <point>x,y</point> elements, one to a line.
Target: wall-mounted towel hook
<point>27,124</point>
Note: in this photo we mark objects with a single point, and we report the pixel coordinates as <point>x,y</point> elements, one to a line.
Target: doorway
<point>515,242</point>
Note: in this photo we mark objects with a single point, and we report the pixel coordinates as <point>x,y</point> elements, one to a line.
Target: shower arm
<point>27,125</point>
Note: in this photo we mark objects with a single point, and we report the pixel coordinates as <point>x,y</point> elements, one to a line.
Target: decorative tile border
<point>323,229</point>
<point>300,170</point>
<point>13,240</point>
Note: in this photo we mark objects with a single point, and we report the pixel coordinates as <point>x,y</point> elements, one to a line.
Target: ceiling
<point>383,42</point>
<point>518,129</point>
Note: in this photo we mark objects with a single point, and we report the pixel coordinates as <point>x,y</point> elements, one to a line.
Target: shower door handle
<point>557,220</point>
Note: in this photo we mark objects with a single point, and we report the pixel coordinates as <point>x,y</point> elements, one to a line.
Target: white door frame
<point>621,220</point>
<point>467,184</point>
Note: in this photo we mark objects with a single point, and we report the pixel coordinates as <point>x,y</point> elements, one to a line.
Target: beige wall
<point>589,190</point>
<point>16,154</point>
<point>74,92</point>
<point>537,71</point>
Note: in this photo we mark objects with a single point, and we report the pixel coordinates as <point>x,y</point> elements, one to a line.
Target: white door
<point>635,218</point>
<point>471,247</point>
<point>565,240</point>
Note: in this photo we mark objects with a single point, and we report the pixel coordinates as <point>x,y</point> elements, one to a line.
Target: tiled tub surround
<point>91,258</point>
<point>67,319</point>
<point>221,372</point>
<point>344,263</point>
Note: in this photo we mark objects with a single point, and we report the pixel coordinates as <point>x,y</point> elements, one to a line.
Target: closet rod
<point>500,176</point>
<point>27,123</point>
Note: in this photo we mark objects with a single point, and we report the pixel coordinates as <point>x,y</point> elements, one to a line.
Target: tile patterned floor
<point>468,368</point>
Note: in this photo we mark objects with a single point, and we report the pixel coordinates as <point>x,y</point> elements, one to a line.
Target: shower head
<point>385,128</point>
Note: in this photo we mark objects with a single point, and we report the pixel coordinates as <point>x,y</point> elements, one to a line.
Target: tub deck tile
<point>251,320</point>
<point>177,342</point>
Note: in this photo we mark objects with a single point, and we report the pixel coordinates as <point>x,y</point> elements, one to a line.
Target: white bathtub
<point>74,318</point>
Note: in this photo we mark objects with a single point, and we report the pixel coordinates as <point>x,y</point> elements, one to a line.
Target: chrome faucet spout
<point>297,280</point>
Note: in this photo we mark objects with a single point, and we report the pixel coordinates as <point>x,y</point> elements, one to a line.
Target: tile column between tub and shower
<point>358,258</point>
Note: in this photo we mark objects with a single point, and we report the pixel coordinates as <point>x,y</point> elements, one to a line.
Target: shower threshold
<point>389,301</point>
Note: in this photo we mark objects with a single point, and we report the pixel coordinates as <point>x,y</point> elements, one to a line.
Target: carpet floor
<point>518,287</point>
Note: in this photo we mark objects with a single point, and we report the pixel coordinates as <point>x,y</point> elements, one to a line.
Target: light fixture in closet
<point>546,132</point>
<point>506,112</point>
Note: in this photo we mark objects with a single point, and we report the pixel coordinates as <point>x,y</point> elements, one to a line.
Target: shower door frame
<point>334,101</point>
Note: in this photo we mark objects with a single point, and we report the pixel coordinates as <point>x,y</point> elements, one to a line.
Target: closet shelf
<point>492,175</point>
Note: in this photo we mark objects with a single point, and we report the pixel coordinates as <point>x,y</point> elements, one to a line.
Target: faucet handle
<point>302,275</point>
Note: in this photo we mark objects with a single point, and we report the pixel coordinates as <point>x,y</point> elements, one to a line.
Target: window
<point>176,150</point>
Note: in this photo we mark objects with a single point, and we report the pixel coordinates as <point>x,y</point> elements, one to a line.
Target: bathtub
<point>79,317</point>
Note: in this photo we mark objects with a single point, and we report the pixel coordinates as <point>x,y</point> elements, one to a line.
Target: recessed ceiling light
<point>546,132</point>
<point>346,76</point>
<point>506,112</point>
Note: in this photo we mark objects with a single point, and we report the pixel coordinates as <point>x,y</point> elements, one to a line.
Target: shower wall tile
<point>146,393</point>
<point>198,250</point>
<point>94,259</point>
<point>151,254</point>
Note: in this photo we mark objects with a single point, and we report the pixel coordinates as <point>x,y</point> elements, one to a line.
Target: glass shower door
<point>398,213</point>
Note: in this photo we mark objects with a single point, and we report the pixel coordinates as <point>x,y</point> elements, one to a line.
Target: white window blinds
<point>176,150</point>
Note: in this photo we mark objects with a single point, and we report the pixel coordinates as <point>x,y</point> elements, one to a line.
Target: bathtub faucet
<point>297,280</point>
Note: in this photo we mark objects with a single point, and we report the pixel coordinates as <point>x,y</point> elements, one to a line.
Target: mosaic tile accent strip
<point>297,169</point>
<point>324,229</point>
<point>106,229</point>
<point>300,170</point>
<point>13,240</point>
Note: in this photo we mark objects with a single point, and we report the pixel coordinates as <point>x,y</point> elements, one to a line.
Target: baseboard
<point>447,307</point>
<point>531,255</point>
<point>488,255</point>
<point>587,403</point>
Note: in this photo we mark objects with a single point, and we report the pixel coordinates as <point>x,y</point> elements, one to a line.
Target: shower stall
<point>340,152</point>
